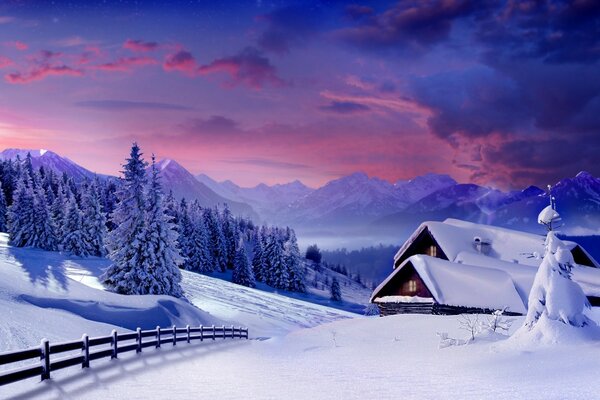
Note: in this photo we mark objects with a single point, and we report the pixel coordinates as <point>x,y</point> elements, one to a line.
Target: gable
<point>423,243</point>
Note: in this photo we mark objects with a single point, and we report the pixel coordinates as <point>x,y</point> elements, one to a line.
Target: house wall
<point>422,245</point>
<point>400,285</point>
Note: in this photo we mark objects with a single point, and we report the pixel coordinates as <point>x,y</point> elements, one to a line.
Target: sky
<point>500,93</point>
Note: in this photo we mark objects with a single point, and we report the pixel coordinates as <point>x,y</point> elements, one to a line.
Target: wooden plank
<point>19,355</point>
<point>66,362</point>
<point>127,336</point>
<point>150,343</point>
<point>151,333</point>
<point>20,374</point>
<point>97,341</point>
<point>101,354</point>
<point>66,346</point>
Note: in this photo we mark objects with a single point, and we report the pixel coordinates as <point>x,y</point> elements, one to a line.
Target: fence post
<point>224,335</point>
<point>213,333</point>
<point>246,332</point>
<point>45,358</point>
<point>86,351</point>
<point>139,340</point>
<point>201,333</point>
<point>174,335</point>
<point>187,328</point>
<point>114,343</point>
<point>157,337</point>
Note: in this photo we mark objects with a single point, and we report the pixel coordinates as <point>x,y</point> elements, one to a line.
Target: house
<point>455,266</point>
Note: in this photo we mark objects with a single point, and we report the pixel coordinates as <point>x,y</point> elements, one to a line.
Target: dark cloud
<point>182,61</point>
<point>288,27</point>
<point>139,45</point>
<point>250,67</point>
<point>408,25</point>
<point>344,107</point>
<point>214,124</point>
<point>263,162</point>
<point>125,105</point>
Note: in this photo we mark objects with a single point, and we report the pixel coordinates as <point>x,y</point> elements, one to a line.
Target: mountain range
<point>369,207</point>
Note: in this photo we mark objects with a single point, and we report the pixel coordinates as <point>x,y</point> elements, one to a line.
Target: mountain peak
<point>584,175</point>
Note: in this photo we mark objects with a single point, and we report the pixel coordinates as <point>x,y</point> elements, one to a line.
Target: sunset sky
<point>498,93</point>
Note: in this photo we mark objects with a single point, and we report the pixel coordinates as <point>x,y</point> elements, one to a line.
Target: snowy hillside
<point>50,160</point>
<point>368,358</point>
<point>47,294</point>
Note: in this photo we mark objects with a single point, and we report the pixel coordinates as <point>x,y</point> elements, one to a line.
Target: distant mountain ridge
<point>361,205</point>
<point>51,160</point>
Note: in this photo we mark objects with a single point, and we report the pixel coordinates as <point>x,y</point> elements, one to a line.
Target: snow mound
<point>549,332</point>
<point>548,215</point>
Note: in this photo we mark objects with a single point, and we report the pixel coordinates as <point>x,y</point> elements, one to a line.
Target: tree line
<point>146,234</point>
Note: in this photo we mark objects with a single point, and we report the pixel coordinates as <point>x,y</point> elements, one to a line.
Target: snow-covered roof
<point>464,285</point>
<point>457,237</point>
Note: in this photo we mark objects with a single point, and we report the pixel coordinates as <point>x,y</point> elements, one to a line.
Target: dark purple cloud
<point>126,105</point>
<point>250,68</point>
<point>140,45</point>
<point>344,107</point>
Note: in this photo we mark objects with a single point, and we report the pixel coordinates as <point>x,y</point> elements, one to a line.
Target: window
<point>412,286</point>
<point>432,251</point>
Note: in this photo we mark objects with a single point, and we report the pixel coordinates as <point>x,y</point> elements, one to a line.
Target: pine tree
<point>161,267</point>
<point>21,215</point>
<point>277,274</point>
<point>242,272</point>
<point>94,220</point>
<point>193,239</point>
<point>128,242</point>
<point>293,261</point>
<point>3,210</point>
<point>230,237</point>
<point>74,238</point>
<point>216,241</point>
<point>335,290</point>
<point>58,210</point>
<point>258,259</point>
<point>201,239</point>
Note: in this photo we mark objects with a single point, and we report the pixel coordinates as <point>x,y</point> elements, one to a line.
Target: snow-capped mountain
<point>183,184</point>
<point>421,186</point>
<point>263,198</point>
<point>51,160</point>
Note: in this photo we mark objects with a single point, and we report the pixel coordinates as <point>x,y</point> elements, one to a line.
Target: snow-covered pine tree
<point>44,230</point>
<point>277,274</point>
<point>554,296</point>
<point>294,264</point>
<point>128,242</point>
<point>58,210</point>
<point>258,258</point>
<point>94,220</point>
<point>216,241</point>
<point>21,215</point>
<point>201,239</point>
<point>74,240</point>
<point>3,210</point>
<point>335,290</point>
<point>193,240</point>
<point>242,271</point>
<point>161,266</point>
<point>230,237</point>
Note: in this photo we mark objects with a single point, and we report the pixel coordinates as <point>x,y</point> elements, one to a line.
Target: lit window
<point>432,251</point>
<point>412,286</point>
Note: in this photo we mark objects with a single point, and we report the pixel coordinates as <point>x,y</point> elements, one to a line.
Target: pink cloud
<point>139,46</point>
<point>5,62</point>
<point>248,68</point>
<point>41,73</point>
<point>182,61</point>
<point>125,64</point>
<point>21,46</point>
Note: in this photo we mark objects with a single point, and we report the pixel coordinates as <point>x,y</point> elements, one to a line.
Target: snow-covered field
<point>381,358</point>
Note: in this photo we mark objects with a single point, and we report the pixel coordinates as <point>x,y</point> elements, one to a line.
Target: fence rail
<point>119,343</point>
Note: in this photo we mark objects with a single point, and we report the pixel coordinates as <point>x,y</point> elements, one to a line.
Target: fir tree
<point>58,211</point>
<point>216,241</point>
<point>44,230</point>
<point>3,210</point>
<point>277,274</point>
<point>94,220</point>
<point>335,290</point>
<point>21,215</point>
<point>292,259</point>
<point>229,236</point>
<point>242,272</point>
<point>258,259</point>
<point>74,239</point>
<point>161,266</point>
<point>128,242</point>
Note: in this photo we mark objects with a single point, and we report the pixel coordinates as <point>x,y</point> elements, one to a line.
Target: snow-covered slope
<point>183,184</point>
<point>45,294</point>
<point>368,358</point>
<point>51,160</point>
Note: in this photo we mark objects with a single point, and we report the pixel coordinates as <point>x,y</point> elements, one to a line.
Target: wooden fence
<point>113,345</point>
